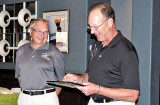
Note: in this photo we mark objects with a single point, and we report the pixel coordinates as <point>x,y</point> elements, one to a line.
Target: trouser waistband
<point>105,100</point>
<point>39,92</point>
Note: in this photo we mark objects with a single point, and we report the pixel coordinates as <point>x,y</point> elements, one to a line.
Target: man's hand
<point>89,89</point>
<point>72,78</point>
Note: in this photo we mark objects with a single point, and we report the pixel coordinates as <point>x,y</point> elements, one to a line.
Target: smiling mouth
<point>41,38</point>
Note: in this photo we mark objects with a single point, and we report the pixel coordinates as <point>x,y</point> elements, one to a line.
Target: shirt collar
<point>115,40</point>
<point>44,47</point>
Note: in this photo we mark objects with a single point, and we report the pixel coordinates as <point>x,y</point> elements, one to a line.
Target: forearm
<point>58,91</point>
<point>19,79</point>
<point>85,77</point>
<point>119,93</point>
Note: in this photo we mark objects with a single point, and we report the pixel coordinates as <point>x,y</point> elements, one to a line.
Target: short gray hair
<point>36,21</point>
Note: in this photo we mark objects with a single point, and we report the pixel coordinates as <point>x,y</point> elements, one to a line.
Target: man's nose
<point>92,30</point>
<point>43,34</point>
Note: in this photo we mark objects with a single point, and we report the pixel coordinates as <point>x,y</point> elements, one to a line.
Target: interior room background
<point>139,21</point>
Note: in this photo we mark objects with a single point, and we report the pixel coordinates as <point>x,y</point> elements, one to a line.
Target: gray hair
<point>36,21</point>
<point>106,10</point>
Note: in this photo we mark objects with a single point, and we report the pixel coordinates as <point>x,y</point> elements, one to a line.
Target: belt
<point>105,100</point>
<point>41,92</point>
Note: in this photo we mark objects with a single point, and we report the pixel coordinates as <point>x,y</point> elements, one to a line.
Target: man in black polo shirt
<point>112,75</point>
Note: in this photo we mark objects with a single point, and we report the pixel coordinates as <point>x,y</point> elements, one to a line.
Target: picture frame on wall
<point>58,21</point>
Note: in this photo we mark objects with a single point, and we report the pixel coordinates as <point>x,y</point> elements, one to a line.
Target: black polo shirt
<point>115,65</point>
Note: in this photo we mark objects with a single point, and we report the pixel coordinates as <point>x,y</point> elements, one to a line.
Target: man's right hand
<point>72,78</point>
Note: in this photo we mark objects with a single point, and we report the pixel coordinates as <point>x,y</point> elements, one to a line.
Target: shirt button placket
<point>33,57</point>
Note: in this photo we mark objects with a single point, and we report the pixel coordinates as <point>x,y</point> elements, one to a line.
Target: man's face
<point>39,34</point>
<point>98,25</point>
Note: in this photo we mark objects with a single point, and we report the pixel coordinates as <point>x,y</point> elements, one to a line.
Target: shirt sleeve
<point>59,66</point>
<point>17,70</point>
<point>130,71</point>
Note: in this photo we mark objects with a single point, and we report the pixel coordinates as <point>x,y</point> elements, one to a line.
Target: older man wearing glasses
<point>36,63</point>
<point>112,75</point>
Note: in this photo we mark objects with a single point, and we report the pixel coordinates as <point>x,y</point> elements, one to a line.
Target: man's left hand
<point>89,89</point>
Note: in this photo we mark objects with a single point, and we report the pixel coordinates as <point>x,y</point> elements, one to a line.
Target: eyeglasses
<point>95,27</point>
<point>40,32</point>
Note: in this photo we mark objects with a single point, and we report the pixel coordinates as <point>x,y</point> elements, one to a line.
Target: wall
<point>155,68</point>
<point>76,59</point>
<point>145,36</point>
<point>123,11</point>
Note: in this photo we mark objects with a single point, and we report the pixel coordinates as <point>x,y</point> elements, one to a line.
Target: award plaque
<point>63,84</point>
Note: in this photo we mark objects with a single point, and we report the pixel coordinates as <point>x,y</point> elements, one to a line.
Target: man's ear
<point>110,22</point>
